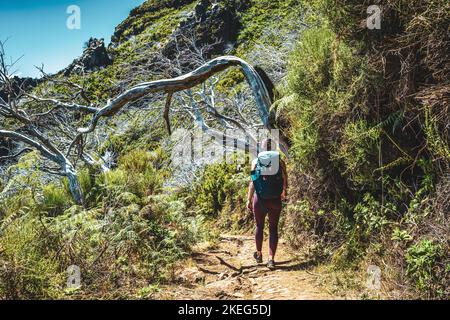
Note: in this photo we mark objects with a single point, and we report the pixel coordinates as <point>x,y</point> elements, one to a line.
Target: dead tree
<point>186,82</point>
<point>20,122</point>
<point>204,105</point>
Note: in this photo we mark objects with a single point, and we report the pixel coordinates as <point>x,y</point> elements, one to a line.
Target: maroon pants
<point>272,208</point>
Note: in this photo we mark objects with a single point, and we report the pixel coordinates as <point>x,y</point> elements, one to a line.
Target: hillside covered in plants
<point>89,178</point>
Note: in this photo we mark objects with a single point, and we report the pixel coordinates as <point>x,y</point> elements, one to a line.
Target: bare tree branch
<point>66,105</point>
<point>186,82</point>
<point>13,156</point>
<point>166,112</point>
<point>22,138</point>
<point>31,129</point>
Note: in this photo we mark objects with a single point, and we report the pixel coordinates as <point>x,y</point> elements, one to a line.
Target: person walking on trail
<point>266,192</point>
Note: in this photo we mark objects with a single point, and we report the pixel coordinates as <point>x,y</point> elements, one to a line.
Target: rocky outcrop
<point>94,57</point>
<point>212,23</point>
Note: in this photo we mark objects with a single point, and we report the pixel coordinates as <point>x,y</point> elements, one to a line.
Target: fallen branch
<point>223,262</point>
<point>208,271</point>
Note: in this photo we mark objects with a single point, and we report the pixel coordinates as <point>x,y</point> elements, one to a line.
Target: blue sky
<point>37,29</point>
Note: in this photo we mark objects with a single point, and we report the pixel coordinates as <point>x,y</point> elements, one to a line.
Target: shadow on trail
<point>294,267</point>
<point>284,265</point>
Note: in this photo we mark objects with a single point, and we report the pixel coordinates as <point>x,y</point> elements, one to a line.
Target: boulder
<point>94,57</point>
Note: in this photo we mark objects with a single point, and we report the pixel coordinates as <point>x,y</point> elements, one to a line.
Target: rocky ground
<point>228,271</point>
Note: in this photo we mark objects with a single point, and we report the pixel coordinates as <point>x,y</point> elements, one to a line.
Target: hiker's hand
<point>283,196</point>
<point>249,206</point>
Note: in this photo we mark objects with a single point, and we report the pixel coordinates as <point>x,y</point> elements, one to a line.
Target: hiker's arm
<point>251,191</point>
<point>285,177</point>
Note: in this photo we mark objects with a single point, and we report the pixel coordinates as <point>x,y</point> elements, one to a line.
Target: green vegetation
<point>221,194</point>
<point>422,261</point>
<point>130,233</point>
<point>370,191</point>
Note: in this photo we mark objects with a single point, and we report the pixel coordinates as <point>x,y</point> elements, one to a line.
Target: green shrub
<point>30,268</point>
<point>358,151</point>
<point>218,183</point>
<point>422,259</point>
<point>401,235</point>
<point>311,67</point>
<point>122,245</point>
<point>210,191</point>
<point>137,174</point>
<point>370,216</point>
<point>323,84</point>
<point>56,199</point>
<point>144,178</point>
<point>137,161</point>
<point>113,182</point>
<point>220,192</point>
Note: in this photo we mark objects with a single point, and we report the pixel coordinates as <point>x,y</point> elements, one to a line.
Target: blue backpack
<point>267,176</point>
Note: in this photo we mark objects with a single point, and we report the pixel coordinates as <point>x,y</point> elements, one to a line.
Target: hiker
<point>266,191</point>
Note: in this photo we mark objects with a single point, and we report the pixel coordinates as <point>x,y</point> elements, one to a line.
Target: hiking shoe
<point>271,264</point>
<point>257,257</point>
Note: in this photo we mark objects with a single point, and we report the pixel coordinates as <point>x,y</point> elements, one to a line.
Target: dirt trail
<point>229,272</point>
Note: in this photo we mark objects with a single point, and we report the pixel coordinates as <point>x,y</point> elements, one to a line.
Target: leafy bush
<point>371,216</point>
<point>220,192</point>
<point>358,151</point>
<point>324,79</point>
<point>401,235</point>
<point>129,233</point>
<point>122,244</point>
<point>139,172</point>
<point>140,166</point>
<point>56,199</point>
<point>422,259</point>
<point>30,267</point>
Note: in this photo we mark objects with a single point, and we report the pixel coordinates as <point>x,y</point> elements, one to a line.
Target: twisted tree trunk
<point>67,168</point>
<point>187,81</point>
<point>74,184</point>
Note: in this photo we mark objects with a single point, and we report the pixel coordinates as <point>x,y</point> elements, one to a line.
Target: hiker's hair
<point>267,82</point>
<point>267,144</point>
